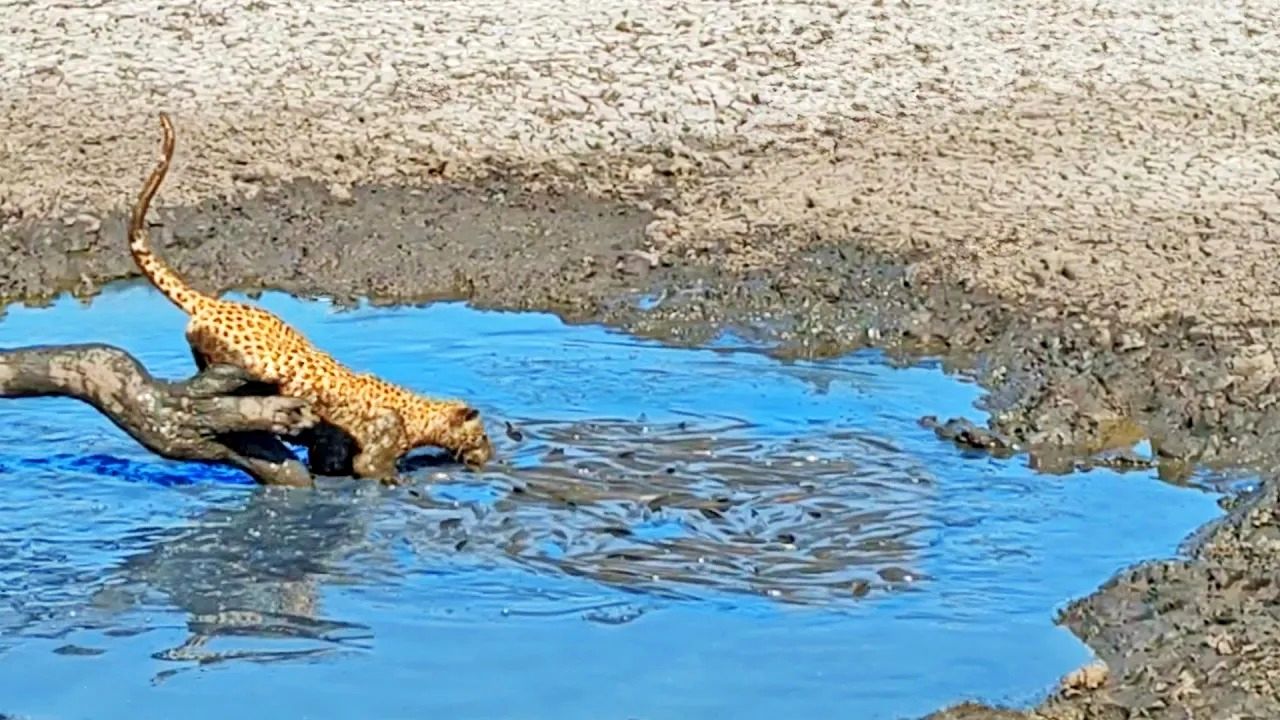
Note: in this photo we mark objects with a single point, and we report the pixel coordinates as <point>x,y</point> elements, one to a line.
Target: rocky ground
<point>1074,202</point>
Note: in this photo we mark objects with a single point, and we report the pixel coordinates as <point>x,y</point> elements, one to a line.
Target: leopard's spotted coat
<point>384,420</point>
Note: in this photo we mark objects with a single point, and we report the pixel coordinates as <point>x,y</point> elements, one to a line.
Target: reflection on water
<point>670,533</point>
<point>248,571</point>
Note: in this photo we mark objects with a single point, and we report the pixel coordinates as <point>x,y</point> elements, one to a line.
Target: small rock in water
<point>964,433</point>
<point>1119,460</point>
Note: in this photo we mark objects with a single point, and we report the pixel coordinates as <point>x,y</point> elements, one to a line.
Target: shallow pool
<point>671,534</point>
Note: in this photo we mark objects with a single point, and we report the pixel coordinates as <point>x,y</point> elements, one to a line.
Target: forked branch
<point>200,419</point>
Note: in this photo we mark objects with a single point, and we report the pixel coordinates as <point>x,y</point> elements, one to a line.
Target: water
<point>675,534</point>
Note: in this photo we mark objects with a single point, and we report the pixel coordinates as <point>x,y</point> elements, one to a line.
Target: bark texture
<point>215,416</point>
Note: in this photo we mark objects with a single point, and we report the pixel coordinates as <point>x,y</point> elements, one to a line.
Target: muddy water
<point>670,533</point>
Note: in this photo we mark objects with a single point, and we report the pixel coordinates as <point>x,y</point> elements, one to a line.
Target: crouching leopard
<point>384,421</point>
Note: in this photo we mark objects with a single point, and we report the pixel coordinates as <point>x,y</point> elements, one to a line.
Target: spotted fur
<point>384,420</point>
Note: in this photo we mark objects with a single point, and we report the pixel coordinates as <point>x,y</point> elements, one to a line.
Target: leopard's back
<point>263,345</point>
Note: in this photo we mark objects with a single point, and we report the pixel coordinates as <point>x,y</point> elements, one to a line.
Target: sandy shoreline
<point>1079,202</point>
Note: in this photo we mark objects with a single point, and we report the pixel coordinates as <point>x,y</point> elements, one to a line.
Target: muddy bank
<point>498,244</point>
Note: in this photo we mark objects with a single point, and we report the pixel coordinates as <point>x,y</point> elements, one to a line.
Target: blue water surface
<point>672,533</point>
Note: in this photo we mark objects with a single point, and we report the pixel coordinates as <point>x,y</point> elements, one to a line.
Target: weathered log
<point>207,418</point>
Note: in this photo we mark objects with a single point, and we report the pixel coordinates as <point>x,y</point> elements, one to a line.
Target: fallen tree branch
<point>208,418</point>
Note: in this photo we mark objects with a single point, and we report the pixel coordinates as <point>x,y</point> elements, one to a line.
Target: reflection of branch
<point>201,419</point>
<point>249,574</point>
<point>252,623</point>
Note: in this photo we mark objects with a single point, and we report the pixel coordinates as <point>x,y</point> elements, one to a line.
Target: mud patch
<point>498,246</point>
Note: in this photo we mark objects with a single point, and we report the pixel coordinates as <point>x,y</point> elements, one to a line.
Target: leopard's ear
<point>465,413</point>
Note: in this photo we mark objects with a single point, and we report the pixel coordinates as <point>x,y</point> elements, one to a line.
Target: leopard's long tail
<point>157,271</point>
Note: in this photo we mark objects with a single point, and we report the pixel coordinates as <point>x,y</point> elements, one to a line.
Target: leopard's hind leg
<point>381,442</point>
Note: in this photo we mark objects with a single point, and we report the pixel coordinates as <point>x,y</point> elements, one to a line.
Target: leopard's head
<point>450,425</point>
<point>467,438</point>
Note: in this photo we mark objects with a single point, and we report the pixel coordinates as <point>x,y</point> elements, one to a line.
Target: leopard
<point>382,420</point>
